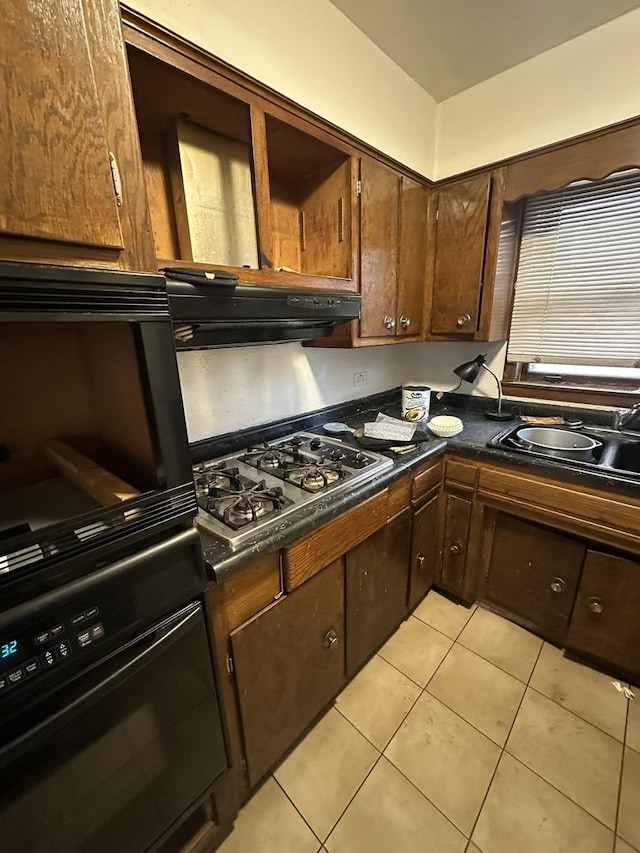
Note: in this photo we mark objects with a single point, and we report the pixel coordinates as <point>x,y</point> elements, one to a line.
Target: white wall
<point>312,53</point>
<point>237,387</point>
<point>589,82</point>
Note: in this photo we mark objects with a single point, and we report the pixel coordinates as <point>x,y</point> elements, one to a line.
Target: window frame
<point>519,381</point>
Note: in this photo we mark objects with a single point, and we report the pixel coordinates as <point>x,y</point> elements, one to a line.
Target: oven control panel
<point>33,652</point>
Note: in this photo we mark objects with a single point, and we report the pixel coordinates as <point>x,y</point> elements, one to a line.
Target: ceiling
<point>450,45</point>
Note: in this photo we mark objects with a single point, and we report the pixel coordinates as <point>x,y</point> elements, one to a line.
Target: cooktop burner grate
<point>244,494</point>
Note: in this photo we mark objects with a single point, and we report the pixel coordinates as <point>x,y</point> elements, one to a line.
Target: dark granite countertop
<point>222,561</point>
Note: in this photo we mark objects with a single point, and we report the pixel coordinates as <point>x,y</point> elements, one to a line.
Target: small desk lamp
<point>469,372</point>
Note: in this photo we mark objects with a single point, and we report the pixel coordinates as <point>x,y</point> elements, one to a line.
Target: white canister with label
<point>415,402</point>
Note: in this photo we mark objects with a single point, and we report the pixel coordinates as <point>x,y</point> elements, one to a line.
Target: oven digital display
<point>9,649</point>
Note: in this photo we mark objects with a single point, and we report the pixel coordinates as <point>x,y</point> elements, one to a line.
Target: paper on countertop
<point>389,429</point>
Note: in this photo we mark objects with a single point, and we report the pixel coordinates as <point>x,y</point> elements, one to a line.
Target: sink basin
<point>612,451</point>
<point>627,457</point>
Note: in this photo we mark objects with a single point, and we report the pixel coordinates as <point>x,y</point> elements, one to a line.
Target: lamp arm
<point>499,384</point>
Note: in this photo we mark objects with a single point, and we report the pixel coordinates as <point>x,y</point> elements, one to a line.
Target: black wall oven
<point>110,728</point>
<point>88,360</point>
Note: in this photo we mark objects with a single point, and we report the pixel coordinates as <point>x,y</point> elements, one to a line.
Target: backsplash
<point>239,387</point>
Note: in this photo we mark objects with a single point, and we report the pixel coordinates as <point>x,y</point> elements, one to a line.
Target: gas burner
<point>317,476</point>
<point>246,493</point>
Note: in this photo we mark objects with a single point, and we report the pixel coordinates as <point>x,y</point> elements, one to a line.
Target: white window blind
<point>577,295</point>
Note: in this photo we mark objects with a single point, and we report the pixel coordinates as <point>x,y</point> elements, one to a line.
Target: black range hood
<point>224,313</point>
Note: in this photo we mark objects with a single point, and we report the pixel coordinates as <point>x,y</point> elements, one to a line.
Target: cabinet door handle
<point>389,322</point>
<point>558,585</point>
<point>463,320</point>
<point>405,322</point>
<point>457,548</point>
<point>595,605</point>
<point>331,638</point>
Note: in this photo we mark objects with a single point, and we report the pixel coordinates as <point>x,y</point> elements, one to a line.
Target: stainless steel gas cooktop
<point>244,494</point>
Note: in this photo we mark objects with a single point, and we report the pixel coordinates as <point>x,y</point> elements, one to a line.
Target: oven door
<point>112,760</point>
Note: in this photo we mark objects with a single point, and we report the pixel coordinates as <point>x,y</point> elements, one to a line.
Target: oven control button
<point>4,682</point>
<point>31,667</point>
<point>84,639</point>
<point>16,676</point>
<point>97,631</point>
<point>63,650</point>
<point>39,639</point>
<point>77,620</point>
<point>57,630</point>
<point>48,658</point>
<point>91,613</point>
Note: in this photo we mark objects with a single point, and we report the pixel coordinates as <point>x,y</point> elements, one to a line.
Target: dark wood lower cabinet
<point>604,624</point>
<point>376,589</point>
<point>456,521</point>
<point>533,573</point>
<point>289,663</point>
<point>424,550</point>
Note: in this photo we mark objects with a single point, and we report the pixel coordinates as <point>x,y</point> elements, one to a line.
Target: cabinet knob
<point>330,639</point>
<point>558,585</point>
<point>457,548</point>
<point>420,560</point>
<point>463,320</point>
<point>405,322</point>
<point>389,322</point>
<point>595,605</point>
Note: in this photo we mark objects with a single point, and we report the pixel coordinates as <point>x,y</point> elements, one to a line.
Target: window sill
<point>571,393</point>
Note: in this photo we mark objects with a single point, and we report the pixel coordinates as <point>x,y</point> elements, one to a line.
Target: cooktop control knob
<point>359,457</point>
<point>315,443</point>
<point>296,441</point>
<point>336,454</point>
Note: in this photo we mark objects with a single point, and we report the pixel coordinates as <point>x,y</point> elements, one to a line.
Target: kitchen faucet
<point>624,417</point>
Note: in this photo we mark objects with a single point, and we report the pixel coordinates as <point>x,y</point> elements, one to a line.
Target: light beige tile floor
<point>465,734</point>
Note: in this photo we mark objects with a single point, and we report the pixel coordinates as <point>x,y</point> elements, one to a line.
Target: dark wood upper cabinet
<point>533,573</point>
<point>379,230</point>
<point>412,262</point>
<point>376,588</point>
<point>289,663</point>
<point>604,623</point>
<point>72,190</point>
<point>467,232</point>
<point>393,253</point>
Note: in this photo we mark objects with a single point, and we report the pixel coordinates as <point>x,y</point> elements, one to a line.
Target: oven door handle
<point>107,673</point>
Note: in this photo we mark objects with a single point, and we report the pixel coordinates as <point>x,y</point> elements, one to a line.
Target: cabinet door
<point>58,196</point>
<point>604,623</point>
<point>424,550</point>
<point>377,580</point>
<point>289,663</point>
<point>533,573</point>
<point>457,518</point>
<point>412,264</point>
<point>380,202</point>
<point>463,210</point>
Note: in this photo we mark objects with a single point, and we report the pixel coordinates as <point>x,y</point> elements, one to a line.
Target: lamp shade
<point>470,369</point>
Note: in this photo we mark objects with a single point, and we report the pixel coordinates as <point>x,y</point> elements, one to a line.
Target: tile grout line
<point>575,714</point>
<point>306,823</point>
<point>624,752</point>
<point>503,749</point>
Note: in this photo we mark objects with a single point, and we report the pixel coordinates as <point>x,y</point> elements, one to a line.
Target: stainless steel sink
<point>614,451</point>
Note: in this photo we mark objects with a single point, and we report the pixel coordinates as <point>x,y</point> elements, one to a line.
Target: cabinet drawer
<point>306,557</point>
<point>426,481</point>
<point>399,496</point>
<point>609,518</point>
<point>461,474</point>
<point>604,624</point>
<point>251,590</point>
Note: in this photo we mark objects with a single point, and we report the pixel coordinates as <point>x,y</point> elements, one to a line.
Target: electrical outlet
<point>360,378</point>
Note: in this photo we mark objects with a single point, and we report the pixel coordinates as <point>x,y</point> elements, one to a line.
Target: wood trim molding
<point>152,38</point>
